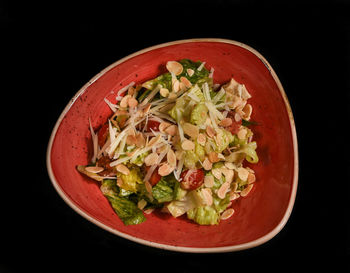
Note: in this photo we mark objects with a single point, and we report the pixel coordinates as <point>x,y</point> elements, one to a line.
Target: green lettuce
<point>163,191</point>
<point>204,215</point>
<point>126,210</point>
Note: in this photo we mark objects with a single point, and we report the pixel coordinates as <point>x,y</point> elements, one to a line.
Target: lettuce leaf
<point>204,215</point>
<point>126,210</point>
<point>163,191</point>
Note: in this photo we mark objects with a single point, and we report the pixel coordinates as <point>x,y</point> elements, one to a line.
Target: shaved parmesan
<point>111,105</point>
<point>201,66</point>
<point>94,142</point>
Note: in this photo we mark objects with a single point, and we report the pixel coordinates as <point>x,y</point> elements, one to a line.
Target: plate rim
<point>263,239</point>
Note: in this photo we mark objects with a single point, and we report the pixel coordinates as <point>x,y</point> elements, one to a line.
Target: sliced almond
<point>233,196</point>
<point>247,110</point>
<point>163,149</point>
<point>228,174</point>
<point>174,67</point>
<point>186,82</point>
<point>210,131</point>
<point>132,102</point>
<point>207,196</point>
<point>171,130</point>
<point>217,173</point>
<point>151,159</point>
<point>119,182</point>
<point>179,154</point>
<point>225,122</point>
<point>141,204</point>
<point>213,157</point>
<point>230,165</point>
<point>140,140</point>
<point>223,190</point>
<point>94,169</point>
<point>207,165</point>
<point>209,181</point>
<point>234,187</point>
<point>172,96</point>
<point>123,169</point>
<point>171,158</point>
<point>243,173</point>
<point>237,117</point>
<point>131,140</point>
<point>187,145</point>
<point>251,178</point>
<point>154,140</point>
<point>165,169</point>
<point>124,101</point>
<point>242,133</point>
<point>176,86</point>
<point>190,130</point>
<point>201,139</point>
<point>148,211</point>
<point>227,214</point>
<point>190,72</point>
<point>163,125</point>
<point>246,190</point>
<point>164,92</point>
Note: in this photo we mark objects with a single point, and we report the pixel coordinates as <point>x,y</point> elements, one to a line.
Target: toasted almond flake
<point>171,158</point>
<point>163,125</point>
<point>227,214</point>
<point>187,145</point>
<point>131,140</point>
<point>190,130</point>
<point>164,92</point>
<point>246,190</point>
<point>151,159</point>
<point>227,173</point>
<point>209,181</point>
<point>247,110</point>
<point>140,140</point>
<point>225,122</point>
<point>179,154</point>
<point>243,173</point>
<point>223,190</point>
<point>148,211</point>
<point>182,86</point>
<point>123,169</point>
<point>233,196</point>
<point>165,169</point>
<point>132,102</point>
<point>119,182</point>
<point>186,82</point>
<point>141,204</point>
<point>210,131</point>
<point>201,139</point>
<point>154,140</point>
<point>124,101</point>
<point>207,165</point>
<point>176,86</point>
<point>174,67</point>
<point>217,173</point>
<point>242,133</point>
<point>172,96</point>
<point>213,157</point>
<point>237,117</point>
<point>230,165</point>
<point>190,72</point>
<point>207,196</point>
<point>251,178</point>
<point>221,156</point>
<point>94,169</point>
<point>171,130</point>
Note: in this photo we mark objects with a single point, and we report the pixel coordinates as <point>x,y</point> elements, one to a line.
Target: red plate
<point>257,218</point>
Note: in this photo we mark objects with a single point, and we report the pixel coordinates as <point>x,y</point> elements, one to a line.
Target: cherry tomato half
<point>152,124</point>
<point>193,181</point>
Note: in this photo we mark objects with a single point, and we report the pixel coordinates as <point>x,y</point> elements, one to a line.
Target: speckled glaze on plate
<point>258,217</point>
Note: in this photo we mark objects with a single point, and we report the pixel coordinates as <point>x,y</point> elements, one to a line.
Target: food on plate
<point>177,143</point>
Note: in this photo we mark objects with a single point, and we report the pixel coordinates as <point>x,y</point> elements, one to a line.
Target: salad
<point>176,143</point>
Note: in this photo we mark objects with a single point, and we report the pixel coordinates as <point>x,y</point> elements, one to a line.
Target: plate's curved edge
<point>248,245</point>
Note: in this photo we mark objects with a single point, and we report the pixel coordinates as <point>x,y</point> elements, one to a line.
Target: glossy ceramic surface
<point>258,217</point>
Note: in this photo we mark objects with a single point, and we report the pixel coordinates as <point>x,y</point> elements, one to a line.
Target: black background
<point>49,51</point>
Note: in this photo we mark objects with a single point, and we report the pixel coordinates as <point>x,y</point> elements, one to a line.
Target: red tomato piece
<point>103,134</point>
<point>152,124</point>
<point>155,177</point>
<point>192,181</point>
